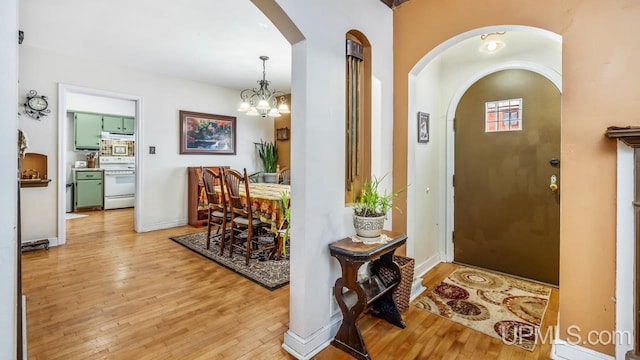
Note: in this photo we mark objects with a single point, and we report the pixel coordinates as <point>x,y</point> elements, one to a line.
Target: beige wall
<point>600,87</point>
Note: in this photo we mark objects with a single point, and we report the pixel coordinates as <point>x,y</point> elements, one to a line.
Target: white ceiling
<point>211,41</point>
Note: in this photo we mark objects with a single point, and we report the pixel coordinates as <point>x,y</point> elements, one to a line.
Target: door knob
<point>554,162</point>
<point>553,183</point>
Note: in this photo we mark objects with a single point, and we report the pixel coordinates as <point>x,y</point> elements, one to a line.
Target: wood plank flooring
<point>111,293</point>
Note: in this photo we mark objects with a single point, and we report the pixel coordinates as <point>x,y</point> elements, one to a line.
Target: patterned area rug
<point>270,274</point>
<point>503,307</point>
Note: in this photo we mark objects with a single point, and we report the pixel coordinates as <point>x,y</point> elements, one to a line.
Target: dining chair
<point>219,215</point>
<point>284,176</point>
<point>247,232</point>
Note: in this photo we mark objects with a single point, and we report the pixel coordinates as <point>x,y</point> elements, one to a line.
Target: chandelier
<point>262,100</point>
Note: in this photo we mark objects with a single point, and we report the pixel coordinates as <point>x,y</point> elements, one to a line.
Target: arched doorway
<point>436,85</point>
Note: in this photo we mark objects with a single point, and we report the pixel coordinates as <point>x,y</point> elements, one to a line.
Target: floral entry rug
<point>500,306</point>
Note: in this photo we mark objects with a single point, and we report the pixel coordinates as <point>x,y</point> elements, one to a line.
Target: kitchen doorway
<point>65,136</point>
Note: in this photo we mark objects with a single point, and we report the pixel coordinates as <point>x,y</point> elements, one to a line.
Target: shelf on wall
<point>34,170</point>
<point>27,183</point>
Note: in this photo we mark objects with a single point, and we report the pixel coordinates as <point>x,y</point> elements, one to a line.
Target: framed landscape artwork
<point>202,133</point>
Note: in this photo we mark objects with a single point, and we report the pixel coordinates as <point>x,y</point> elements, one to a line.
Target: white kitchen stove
<point>119,181</point>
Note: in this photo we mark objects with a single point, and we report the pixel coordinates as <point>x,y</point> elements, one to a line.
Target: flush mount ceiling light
<point>491,42</point>
<point>263,101</point>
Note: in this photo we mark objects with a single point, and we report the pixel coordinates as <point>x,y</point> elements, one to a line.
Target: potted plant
<point>268,154</point>
<point>370,210</point>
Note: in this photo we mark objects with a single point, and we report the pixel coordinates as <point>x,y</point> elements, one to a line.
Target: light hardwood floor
<point>111,293</point>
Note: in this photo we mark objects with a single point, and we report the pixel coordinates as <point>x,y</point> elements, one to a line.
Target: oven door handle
<point>120,174</point>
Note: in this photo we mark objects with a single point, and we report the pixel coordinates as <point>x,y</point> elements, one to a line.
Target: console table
<point>375,292</point>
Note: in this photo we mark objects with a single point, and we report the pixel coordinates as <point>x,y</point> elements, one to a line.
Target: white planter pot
<point>368,227</point>
<point>269,177</point>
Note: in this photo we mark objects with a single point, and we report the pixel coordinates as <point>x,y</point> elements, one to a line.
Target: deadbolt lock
<point>553,183</point>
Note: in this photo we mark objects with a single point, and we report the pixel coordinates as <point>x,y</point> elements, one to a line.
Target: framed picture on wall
<point>207,134</point>
<point>282,133</point>
<point>119,150</point>
<point>423,127</point>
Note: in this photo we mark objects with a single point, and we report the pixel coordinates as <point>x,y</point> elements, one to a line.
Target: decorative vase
<point>368,227</point>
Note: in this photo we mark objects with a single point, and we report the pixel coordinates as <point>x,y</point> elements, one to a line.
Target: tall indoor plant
<point>268,154</point>
<point>370,210</point>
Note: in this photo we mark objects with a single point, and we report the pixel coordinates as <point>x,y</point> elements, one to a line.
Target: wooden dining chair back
<point>217,210</point>
<point>246,231</point>
<point>233,181</point>
<point>284,176</point>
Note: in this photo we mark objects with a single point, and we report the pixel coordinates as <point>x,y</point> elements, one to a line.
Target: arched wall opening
<point>436,84</point>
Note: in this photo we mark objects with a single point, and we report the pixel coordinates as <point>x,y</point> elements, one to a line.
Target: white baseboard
<point>416,289</point>
<point>53,241</point>
<point>164,225</point>
<point>420,270</point>
<point>562,350</point>
<point>425,266</point>
<point>306,348</point>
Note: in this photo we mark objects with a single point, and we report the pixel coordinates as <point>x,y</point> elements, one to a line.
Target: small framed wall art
<point>119,150</point>
<point>282,133</point>
<point>423,127</point>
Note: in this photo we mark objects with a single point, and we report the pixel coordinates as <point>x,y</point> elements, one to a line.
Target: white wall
<point>164,175</point>
<point>8,176</point>
<point>426,193</point>
<point>438,88</point>
<point>319,216</point>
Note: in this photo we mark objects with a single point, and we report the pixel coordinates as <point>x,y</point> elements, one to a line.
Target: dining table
<point>266,202</point>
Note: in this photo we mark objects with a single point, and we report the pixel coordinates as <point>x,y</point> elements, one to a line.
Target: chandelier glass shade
<point>262,101</point>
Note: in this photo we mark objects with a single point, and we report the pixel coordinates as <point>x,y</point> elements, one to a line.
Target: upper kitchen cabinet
<point>87,131</point>
<point>118,124</point>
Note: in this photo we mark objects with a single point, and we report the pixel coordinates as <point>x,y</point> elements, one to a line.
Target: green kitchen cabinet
<point>118,124</point>
<point>128,125</point>
<point>88,190</point>
<point>87,129</point>
<point>112,124</point>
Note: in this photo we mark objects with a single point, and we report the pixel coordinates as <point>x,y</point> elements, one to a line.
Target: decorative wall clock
<point>36,105</point>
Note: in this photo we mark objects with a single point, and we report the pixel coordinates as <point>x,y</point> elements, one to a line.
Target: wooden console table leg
<point>348,338</point>
<point>384,307</point>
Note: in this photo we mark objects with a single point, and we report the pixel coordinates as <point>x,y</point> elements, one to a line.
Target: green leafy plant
<point>286,219</point>
<point>372,203</point>
<point>268,154</point>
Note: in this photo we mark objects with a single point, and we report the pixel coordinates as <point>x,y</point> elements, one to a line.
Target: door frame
<point>63,91</point>
<point>548,73</point>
